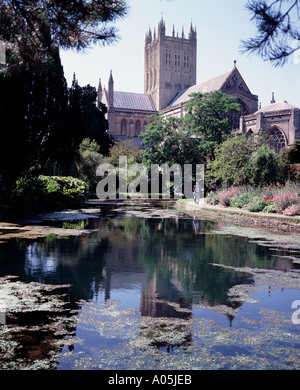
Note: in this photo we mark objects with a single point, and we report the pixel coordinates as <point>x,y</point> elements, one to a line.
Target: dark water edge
<point>151,288</point>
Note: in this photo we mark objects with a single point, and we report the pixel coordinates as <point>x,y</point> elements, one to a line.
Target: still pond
<point>153,288</point>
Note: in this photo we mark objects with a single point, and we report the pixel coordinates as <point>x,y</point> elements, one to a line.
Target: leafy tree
<point>290,162</point>
<point>124,148</point>
<point>207,118</point>
<point>133,154</point>
<point>87,160</point>
<point>277,23</point>
<point>169,143</point>
<point>231,159</point>
<point>34,29</point>
<point>291,155</point>
<point>263,166</point>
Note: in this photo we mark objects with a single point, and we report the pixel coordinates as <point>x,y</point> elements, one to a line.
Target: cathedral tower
<point>170,64</point>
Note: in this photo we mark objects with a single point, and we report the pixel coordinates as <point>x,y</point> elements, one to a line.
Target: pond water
<point>157,289</point>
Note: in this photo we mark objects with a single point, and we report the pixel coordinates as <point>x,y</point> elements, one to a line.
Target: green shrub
<point>34,194</point>
<point>270,208</point>
<point>87,160</point>
<point>212,198</point>
<point>28,195</point>
<point>263,166</point>
<point>66,191</point>
<point>257,205</point>
<point>242,199</point>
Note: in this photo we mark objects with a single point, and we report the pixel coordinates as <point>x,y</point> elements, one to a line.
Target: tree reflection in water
<point>165,258</point>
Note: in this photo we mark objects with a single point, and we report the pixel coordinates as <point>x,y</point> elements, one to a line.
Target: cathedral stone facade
<point>127,113</point>
<point>170,72</point>
<point>170,64</point>
<point>280,121</point>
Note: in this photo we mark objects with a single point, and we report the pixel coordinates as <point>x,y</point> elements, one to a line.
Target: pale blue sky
<point>221,25</point>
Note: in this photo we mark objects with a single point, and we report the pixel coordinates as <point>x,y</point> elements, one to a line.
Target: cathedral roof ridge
<point>213,84</point>
<point>280,106</point>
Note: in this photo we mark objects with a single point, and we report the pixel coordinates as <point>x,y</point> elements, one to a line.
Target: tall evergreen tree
<point>95,125</point>
<point>33,91</point>
<point>33,105</point>
<point>85,119</point>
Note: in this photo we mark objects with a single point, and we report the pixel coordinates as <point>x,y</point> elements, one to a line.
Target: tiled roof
<point>208,86</point>
<point>133,101</point>
<point>277,107</point>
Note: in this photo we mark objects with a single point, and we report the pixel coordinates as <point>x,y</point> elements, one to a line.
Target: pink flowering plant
<point>226,195</point>
<point>291,210</point>
<point>284,199</point>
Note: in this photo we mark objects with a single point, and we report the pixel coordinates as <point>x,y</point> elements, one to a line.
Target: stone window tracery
<point>277,140</point>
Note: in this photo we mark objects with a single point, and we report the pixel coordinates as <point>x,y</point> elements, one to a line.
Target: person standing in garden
<point>197,193</point>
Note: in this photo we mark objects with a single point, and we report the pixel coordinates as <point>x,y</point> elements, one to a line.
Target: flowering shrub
<point>291,210</point>
<point>284,199</point>
<point>214,187</point>
<point>266,198</point>
<point>269,200</point>
<point>226,195</point>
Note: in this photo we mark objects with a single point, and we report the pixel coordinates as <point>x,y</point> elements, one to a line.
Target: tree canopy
<point>168,143</point>
<point>33,29</point>
<point>207,118</point>
<point>231,159</point>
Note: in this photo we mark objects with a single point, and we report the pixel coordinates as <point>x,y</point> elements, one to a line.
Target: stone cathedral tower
<point>170,64</point>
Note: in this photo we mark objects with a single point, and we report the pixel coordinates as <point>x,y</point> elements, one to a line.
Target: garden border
<point>239,216</point>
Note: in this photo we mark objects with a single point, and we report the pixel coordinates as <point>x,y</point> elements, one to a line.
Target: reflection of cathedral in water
<point>164,299</point>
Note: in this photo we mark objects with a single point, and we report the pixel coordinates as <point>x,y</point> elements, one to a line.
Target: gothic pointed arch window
<point>124,127</point>
<point>137,127</point>
<point>277,139</point>
<point>234,118</point>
